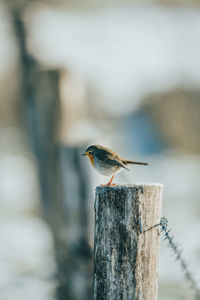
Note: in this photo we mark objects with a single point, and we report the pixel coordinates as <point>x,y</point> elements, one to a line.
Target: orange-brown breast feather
<point>91,157</point>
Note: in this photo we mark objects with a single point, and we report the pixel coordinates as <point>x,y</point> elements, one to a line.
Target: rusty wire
<point>178,254</point>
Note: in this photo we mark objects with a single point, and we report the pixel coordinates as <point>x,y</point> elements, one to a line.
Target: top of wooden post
<point>127,186</point>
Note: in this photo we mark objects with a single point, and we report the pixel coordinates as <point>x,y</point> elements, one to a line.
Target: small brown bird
<point>108,162</point>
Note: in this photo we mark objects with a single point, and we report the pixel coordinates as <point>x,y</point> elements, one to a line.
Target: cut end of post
<point>117,187</point>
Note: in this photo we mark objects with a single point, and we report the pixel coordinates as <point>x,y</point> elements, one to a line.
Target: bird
<point>107,162</point>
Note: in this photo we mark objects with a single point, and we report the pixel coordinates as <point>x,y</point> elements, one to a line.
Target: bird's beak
<point>84,154</point>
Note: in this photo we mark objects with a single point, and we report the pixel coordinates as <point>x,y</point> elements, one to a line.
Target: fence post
<point>125,256</point>
<point>63,175</point>
<point>74,255</point>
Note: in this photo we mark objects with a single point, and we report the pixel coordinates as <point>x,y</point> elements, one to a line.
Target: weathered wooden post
<point>74,255</point>
<point>125,255</point>
<point>63,175</point>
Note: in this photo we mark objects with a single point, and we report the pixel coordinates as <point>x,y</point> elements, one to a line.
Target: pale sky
<point>122,53</point>
<point>125,53</point>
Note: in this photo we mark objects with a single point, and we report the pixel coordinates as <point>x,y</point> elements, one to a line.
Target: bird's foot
<point>109,183</point>
<point>104,185</point>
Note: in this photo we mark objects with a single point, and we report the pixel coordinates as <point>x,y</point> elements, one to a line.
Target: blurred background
<point>124,74</point>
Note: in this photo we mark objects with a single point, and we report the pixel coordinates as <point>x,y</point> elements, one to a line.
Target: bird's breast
<point>104,168</point>
<point>91,158</point>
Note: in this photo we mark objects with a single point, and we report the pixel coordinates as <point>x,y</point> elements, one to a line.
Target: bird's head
<point>90,152</point>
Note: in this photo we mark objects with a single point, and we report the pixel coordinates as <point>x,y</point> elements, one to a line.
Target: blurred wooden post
<point>125,256</point>
<point>74,255</point>
<point>40,102</point>
<point>75,262</point>
<point>63,179</point>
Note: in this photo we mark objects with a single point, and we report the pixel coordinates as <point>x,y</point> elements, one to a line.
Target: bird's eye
<point>90,152</point>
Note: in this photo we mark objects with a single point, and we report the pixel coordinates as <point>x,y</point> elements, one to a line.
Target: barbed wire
<point>178,253</point>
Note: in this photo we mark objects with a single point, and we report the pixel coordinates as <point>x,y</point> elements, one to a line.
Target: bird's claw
<point>107,185</point>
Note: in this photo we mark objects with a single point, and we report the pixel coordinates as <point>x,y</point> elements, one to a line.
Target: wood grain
<point>125,256</point>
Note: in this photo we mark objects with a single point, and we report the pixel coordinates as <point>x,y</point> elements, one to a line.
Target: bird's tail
<point>127,162</point>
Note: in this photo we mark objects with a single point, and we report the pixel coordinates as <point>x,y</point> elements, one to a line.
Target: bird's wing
<point>111,159</point>
<point>102,155</point>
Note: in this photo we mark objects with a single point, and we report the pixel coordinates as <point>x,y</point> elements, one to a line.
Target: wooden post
<point>63,175</point>
<point>125,256</point>
<point>74,255</point>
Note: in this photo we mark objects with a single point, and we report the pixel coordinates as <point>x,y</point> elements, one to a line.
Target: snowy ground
<point>26,252</point>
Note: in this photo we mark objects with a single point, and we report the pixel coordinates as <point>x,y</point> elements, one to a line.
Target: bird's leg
<point>109,183</point>
<point>111,179</point>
